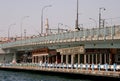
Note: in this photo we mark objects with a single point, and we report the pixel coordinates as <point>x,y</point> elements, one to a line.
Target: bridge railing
<point>93,67</point>
<point>105,33</point>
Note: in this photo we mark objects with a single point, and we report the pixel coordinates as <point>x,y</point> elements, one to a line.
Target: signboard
<point>72,50</point>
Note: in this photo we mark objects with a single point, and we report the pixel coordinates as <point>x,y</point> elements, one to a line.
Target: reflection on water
<point>22,76</point>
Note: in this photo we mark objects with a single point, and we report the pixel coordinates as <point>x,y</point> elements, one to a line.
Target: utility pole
<point>76,26</point>
<point>42,17</point>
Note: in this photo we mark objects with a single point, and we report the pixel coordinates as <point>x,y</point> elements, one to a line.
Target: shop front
<point>43,55</point>
<point>72,55</point>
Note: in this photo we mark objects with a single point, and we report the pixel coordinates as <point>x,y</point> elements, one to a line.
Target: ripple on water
<point>21,76</point>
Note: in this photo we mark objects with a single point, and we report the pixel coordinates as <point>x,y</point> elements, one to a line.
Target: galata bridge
<point>95,45</point>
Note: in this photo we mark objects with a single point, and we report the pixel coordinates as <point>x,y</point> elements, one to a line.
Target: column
<point>100,58</point>
<point>32,59</point>
<point>61,58</point>
<point>35,59</point>
<point>66,59</point>
<point>14,58</point>
<point>56,60</point>
<point>72,59</point>
<point>85,59</point>
<point>78,58</point>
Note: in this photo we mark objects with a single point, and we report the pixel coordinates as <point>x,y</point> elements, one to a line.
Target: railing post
<point>56,66</point>
<point>92,66</point>
<point>106,66</point>
<point>99,66</point>
<point>114,66</point>
<point>71,66</point>
<point>63,65</point>
<point>52,65</point>
<point>81,65</point>
<point>86,67</point>
<point>46,65</point>
<point>59,66</point>
<point>67,66</point>
<point>77,66</point>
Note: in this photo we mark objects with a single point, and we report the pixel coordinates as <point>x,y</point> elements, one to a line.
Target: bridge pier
<point>14,58</point>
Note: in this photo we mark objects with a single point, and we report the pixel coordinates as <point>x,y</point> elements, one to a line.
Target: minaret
<point>47,26</point>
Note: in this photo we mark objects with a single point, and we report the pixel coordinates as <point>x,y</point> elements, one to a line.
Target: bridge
<point>94,45</point>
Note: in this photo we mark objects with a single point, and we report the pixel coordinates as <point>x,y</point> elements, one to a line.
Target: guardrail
<point>103,67</point>
<point>106,33</point>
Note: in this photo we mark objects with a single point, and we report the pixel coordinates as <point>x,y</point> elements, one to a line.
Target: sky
<point>14,13</point>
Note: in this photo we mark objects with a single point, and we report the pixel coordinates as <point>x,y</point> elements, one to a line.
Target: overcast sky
<point>62,11</point>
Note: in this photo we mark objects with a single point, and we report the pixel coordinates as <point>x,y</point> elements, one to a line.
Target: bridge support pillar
<point>14,58</point>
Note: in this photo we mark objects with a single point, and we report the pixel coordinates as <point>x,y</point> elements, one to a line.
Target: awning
<point>50,55</point>
<point>44,54</point>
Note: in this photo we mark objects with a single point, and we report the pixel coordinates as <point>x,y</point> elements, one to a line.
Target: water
<point>22,76</point>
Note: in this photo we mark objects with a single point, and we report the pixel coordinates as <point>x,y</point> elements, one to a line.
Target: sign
<point>72,50</point>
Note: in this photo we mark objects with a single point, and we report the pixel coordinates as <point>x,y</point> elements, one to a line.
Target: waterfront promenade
<point>67,69</point>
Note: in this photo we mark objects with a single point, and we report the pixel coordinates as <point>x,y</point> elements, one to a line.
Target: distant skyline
<point>62,11</point>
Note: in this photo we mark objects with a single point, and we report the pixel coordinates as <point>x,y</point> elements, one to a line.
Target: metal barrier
<point>100,67</point>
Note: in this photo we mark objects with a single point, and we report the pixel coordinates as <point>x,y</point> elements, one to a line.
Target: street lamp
<point>22,24</point>
<point>59,27</point>
<point>102,8</point>
<point>94,21</point>
<point>9,30</point>
<point>42,17</point>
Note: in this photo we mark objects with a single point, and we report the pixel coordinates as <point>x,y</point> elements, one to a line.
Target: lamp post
<point>102,8</point>
<point>59,27</point>
<point>94,21</point>
<point>9,30</point>
<point>22,24</point>
<point>42,17</point>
